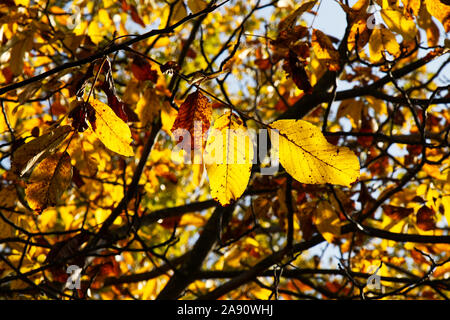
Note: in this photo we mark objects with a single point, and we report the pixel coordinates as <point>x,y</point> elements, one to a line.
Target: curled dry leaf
<point>48,181</point>
<point>31,153</point>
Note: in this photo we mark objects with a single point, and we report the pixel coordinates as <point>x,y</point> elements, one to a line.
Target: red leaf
<point>8,75</point>
<point>135,16</point>
<point>142,70</point>
<point>263,64</point>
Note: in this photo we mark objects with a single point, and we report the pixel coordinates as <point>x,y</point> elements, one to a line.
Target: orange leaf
<point>196,110</point>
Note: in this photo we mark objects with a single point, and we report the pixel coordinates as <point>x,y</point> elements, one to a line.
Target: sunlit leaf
<point>31,153</point>
<point>228,158</point>
<point>48,181</point>
<point>309,158</point>
<point>110,129</point>
<point>382,41</point>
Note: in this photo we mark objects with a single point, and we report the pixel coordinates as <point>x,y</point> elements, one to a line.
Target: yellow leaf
<point>412,6</point>
<point>381,41</point>
<point>31,153</point>
<point>197,5</point>
<point>399,23</point>
<point>168,116</point>
<point>228,158</point>
<point>359,29</point>
<point>111,130</point>
<point>104,18</point>
<point>48,181</point>
<point>289,21</point>
<point>309,158</point>
<point>95,32</point>
<point>327,221</point>
<point>440,11</point>
<point>179,11</point>
<point>324,50</point>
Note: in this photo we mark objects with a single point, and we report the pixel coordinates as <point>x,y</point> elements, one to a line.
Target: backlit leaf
<point>110,129</point>
<point>382,41</point>
<point>441,11</point>
<point>309,158</point>
<point>31,153</point>
<point>48,181</point>
<point>197,5</point>
<point>194,116</point>
<point>399,23</point>
<point>327,221</point>
<point>324,50</point>
<point>289,21</point>
<point>228,158</point>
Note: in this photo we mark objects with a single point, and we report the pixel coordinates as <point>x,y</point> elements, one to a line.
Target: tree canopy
<point>203,149</point>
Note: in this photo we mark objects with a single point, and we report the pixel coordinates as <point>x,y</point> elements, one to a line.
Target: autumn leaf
<point>24,44</point>
<point>228,157</point>
<point>295,69</point>
<point>194,116</point>
<point>327,221</point>
<point>440,11</point>
<point>178,11</point>
<point>110,129</point>
<point>398,22</point>
<point>142,70</point>
<point>324,50</point>
<point>381,41</point>
<point>8,198</point>
<point>395,212</point>
<point>289,21</point>
<point>309,158</point>
<point>426,218</point>
<point>48,181</point>
<point>31,153</point>
<point>197,5</point>
<point>359,34</point>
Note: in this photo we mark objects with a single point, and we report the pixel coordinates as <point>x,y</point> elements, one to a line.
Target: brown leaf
<point>294,67</point>
<point>31,153</point>
<point>135,16</point>
<point>142,70</point>
<point>396,213</point>
<point>48,181</point>
<point>194,111</point>
<point>425,218</point>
